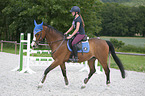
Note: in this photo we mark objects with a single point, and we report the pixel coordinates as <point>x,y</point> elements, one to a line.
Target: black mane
<point>49,26</point>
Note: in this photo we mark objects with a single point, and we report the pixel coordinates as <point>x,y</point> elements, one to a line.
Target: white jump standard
<point>20,67</point>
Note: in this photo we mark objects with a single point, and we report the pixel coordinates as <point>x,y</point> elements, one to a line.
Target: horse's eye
<point>37,34</point>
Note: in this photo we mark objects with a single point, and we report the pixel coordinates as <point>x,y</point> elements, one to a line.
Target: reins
<point>54,41</point>
<point>58,46</point>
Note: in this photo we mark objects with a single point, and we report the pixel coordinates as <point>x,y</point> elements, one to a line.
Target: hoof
<point>86,80</point>
<point>66,82</point>
<point>40,85</point>
<point>83,86</point>
<point>108,82</point>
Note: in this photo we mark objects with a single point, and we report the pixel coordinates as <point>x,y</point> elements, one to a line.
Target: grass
<point>41,55</point>
<point>9,48</point>
<point>132,63</point>
<point>134,44</point>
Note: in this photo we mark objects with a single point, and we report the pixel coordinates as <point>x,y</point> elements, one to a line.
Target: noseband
<point>40,39</point>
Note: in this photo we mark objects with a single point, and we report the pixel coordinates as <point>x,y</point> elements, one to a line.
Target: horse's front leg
<point>52,66</point>
<point>63,69</point>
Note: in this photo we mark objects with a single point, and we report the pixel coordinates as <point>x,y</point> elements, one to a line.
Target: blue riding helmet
<point>38,27</point>
<point>75,9</point>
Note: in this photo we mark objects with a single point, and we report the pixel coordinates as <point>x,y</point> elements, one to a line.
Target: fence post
<point>15,47</point>
<point>1,45</point>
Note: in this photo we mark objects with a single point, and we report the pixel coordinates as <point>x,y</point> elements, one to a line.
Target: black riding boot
<point>75,53</point>
<point>71,56</point>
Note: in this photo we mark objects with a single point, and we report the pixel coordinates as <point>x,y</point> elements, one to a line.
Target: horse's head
<point>39,34</point>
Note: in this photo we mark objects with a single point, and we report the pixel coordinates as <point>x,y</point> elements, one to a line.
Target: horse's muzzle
<point>34,44</point>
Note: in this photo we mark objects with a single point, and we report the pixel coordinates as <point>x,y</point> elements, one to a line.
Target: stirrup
<point>71,59</point>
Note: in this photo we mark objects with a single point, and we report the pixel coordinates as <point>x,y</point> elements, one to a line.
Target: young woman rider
<point>79,32</point>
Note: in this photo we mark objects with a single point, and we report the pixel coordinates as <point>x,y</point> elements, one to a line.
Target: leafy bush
<point>117,44</point>
<point>132,48</point>
<point>120,46</point>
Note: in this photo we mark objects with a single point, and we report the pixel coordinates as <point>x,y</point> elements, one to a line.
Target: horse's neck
<point>53,38</point>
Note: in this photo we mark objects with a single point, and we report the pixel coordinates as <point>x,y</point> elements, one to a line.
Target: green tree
<point>117,20</point>
<point>3,23</point>
<point>140,22</point>
<point>20,14</point>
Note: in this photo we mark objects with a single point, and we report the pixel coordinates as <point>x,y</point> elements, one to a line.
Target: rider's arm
<point>71,28</point>
<point>77,29</point>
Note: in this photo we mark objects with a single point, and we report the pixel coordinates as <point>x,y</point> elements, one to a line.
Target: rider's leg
<point>75,52</point>
<point>78,38</point>
<point>71,56</point>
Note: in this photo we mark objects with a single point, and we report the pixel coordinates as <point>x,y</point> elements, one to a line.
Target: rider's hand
<point>65,33</point>
<point>69,37</point>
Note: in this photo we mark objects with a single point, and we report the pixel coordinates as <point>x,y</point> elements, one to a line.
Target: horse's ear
<point>41,23</point>
<point>35,22</point>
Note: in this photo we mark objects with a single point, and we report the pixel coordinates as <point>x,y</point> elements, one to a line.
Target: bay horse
<point>99,49</point>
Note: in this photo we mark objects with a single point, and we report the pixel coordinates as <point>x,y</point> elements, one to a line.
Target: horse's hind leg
<point>52,66</point>
<point>63,69</point>
<point>91,64</point>
<point>106,69</point>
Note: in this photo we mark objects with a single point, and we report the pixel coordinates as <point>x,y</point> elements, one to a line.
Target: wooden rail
<point>130,53</point>
<point>15,42</point>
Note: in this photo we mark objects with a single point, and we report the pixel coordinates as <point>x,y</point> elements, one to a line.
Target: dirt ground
<point>24,84</point>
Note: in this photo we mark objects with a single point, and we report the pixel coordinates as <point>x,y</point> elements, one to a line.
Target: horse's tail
<point>116,59</point>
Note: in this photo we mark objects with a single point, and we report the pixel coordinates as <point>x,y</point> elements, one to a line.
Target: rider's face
<point>73,13</point>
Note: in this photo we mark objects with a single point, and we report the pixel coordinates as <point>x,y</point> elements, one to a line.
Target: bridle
<point>40,39</point>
